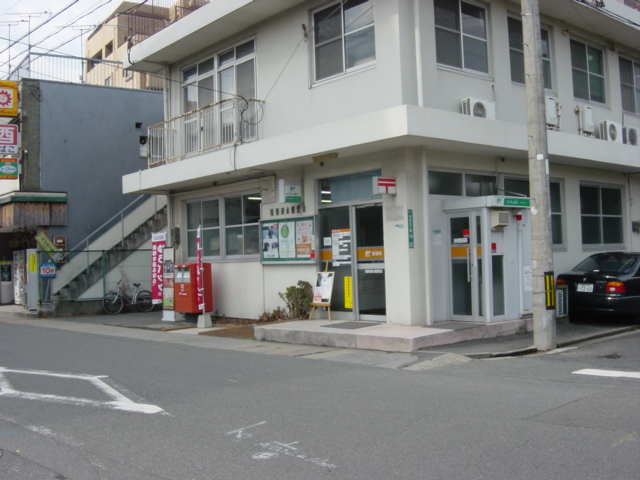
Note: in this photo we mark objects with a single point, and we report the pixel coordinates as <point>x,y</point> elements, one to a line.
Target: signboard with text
<point>8,168</point>
<point>289,240</point>
<point>8,99</point>
<point>9,139</point>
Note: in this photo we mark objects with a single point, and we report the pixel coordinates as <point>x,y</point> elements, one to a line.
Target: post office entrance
<point>481,248</point>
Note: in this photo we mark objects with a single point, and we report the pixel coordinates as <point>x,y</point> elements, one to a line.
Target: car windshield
<point>608,263</point>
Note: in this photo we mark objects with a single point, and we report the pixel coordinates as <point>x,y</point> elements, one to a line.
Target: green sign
<point>410,221</point>
<point>511,202</point>
<point>8,169</point>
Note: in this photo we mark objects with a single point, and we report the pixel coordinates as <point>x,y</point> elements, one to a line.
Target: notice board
<point>288,240</point>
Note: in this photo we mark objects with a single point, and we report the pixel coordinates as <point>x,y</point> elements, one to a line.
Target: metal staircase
<point>108,247</point>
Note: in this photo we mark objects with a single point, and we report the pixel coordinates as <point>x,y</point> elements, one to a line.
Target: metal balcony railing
<point>227,122</point>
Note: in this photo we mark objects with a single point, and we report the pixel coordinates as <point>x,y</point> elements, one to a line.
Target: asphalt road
<point>85,406</point>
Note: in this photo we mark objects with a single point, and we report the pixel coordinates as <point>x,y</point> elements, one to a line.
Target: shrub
<point>298,299</point>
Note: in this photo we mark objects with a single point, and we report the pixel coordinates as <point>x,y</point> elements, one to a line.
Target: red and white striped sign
<point>384,185</point>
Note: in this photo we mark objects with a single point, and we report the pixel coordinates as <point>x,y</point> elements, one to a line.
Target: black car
<point>607,282</point>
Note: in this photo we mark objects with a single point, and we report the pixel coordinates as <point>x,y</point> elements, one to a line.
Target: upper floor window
<point>461,35</point>
<point>197,88</point>
<point>461,184</point>
<point>630,85</point>
<point>343,38</point>
<point>229,226</point>
<point>235,71</point>
<point>601,215</point>
<point>587,66</point>
<point>516,53</point>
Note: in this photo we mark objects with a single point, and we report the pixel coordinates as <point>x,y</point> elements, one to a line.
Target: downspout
<point>418,40</point>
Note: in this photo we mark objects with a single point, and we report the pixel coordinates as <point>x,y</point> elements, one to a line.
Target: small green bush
<point>298,299</point>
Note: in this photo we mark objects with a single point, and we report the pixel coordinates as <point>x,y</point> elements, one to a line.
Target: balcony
<point>229,122</point>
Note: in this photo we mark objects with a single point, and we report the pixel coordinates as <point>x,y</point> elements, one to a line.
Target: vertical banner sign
<point>158,242</point>
<point>168,302</point>
<point>199,289</point>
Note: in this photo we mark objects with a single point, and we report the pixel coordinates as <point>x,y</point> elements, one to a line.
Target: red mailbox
<point>185,293</point>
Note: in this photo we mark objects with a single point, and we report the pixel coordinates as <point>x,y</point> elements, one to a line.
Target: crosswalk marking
<point>608,373</point>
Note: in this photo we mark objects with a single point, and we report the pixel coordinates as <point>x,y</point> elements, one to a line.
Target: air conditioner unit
<point>479,108</point>
<point>630,136</point>
<point>611,131</point>
<point>551,111</point>
<point>500,219</point>
<point>587,126</point>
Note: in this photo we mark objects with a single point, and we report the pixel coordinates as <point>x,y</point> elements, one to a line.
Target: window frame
<point>223,228</point>
<point>602,216</point>
<point>547,65</point>
<point>558,214</point>
<point>461,34</point>
<point>463,182</point>
<point>217,67</point>
<point>634,87</point>
<point>343,37</point>
<point>587,71</point>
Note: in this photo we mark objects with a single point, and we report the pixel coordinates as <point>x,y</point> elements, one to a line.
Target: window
<point>461,184</point>
<point>197,89</point>
<point>343,38</point>
<point>230,226</point>
<point>630,85</point>
<point>516,53</point>
<point>242,232</point>
<point>520,186</point>
<point>601,215</point>
<point>461,35</point>
<point>588,72</point>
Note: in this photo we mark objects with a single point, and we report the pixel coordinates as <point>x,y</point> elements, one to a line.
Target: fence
<point>103,269</point>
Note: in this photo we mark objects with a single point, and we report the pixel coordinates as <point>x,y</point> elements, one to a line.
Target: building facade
<point>386,141</point>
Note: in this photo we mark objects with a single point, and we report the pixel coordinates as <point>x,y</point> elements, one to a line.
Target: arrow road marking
<point>118,400</point>
<point>608,373</point>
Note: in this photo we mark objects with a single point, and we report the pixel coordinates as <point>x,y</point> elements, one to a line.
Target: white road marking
<point>608,373</point>
<point>118,402</point>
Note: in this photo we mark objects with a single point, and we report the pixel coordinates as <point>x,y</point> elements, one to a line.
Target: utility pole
<point>544,315</point>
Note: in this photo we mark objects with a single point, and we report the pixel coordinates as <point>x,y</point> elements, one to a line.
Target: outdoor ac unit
<point>479,108</point>
<point>500,219</point>
<point>611,131</point>
<point>586,121</point>
<point>551,111</point>
<point>630,136</point>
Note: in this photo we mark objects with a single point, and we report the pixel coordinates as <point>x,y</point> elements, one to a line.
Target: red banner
<point>158,242</point>
<point>199,282</point>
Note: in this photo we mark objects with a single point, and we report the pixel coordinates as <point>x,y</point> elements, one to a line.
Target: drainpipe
<point>418,40</point>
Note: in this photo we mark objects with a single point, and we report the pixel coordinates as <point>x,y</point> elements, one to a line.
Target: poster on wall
<point>288,240</point>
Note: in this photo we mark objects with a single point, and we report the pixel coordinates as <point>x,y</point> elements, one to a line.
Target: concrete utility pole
<point>544,315</point>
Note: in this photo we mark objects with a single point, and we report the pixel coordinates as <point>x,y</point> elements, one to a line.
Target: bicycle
<point>113,301</point>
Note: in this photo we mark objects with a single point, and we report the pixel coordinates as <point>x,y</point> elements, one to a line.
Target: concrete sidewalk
<point>460,338</point>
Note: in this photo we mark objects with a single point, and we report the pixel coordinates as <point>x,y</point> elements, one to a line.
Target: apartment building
<point>106,47</point>
<point>386,141</point>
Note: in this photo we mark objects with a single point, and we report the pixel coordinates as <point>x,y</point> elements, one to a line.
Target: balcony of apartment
<point>229,122</point>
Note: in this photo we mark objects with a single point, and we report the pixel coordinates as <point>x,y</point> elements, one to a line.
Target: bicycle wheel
<point>144,301</point>
<point>112,303</point>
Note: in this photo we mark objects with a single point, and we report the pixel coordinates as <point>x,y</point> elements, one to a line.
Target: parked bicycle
<point>114,300</point>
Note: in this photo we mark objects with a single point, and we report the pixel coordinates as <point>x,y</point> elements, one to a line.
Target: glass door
<point>353,244</point>
<point>370,262</point>
<point>465,265</point>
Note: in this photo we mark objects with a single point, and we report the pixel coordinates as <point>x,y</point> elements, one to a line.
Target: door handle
<point>468,264</point>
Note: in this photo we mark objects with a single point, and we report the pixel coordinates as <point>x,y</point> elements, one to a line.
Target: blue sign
<point>48,270</point>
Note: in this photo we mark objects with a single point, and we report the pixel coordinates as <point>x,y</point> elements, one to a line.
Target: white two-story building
<point>280,114</point>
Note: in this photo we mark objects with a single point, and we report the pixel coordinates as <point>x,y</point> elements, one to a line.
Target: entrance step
<point>385,337</point>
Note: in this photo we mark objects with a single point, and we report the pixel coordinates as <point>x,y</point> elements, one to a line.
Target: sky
<point>62,29</point>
